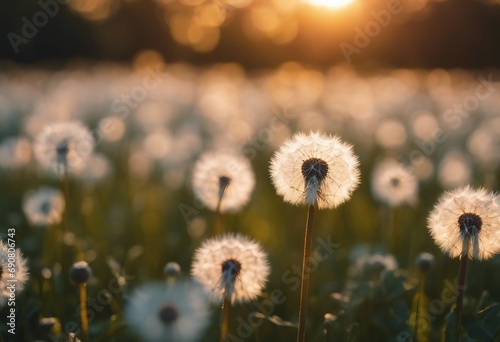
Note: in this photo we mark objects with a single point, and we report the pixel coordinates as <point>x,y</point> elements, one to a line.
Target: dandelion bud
<point>172,270</point>
<point>424,262</point>
<point>79,272</point>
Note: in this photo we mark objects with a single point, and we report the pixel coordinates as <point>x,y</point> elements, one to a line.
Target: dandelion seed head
<point>467,219</point>
<point>226,175</point>
<point>231,265</point>
<point>44,206</point>
<point>63,147</point>
<point>168,314</point>
<point>20,276</point>
<point>394,184</point>
<point>159,312</point>
<point>315,169</point>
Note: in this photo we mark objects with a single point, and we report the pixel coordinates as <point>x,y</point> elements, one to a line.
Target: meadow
<point>123,200</point>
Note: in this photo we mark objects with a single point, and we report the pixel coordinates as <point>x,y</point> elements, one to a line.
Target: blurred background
<point>158,83</point>
<point>256,33</point>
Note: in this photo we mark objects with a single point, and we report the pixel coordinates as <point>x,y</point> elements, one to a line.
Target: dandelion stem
<point>304,287</point>
<point>226,306</point>
<point>218,229</point>
<point>83,310</point>
<point>461,290</point>
<point>417,313</point>
<point>223,183</point>
<point>65,186</point>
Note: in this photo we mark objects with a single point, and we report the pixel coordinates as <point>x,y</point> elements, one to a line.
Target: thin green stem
<point>461,290</point>
<point>224,327</point>
<point>304,288</point>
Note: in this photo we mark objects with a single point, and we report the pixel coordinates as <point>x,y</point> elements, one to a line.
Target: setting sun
<point>330,3</point>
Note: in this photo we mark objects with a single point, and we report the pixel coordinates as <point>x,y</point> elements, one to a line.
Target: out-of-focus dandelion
<point>15,153</point>
<point>44,206</point>
<point>371,266</point>
<point>465,223</point>
<point>233,268</point>
<point>224,182</point>
<point>79,274</point>
<point>158,312</point>
<point>223,179</point>
<point>394,184</point>
<point>455,170</point>
<point>96,170</point>
<point>316,170</point>
<point>172,270</point>
<point>63,147</point>
<point>9,257</point>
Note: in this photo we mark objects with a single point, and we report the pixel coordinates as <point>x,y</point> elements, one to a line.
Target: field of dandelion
<point>138,171</point>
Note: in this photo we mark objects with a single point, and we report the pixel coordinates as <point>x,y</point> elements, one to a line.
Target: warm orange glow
<point>334,4</point>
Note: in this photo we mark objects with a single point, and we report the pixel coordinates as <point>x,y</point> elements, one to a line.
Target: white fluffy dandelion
<point>467,220</point>
<point>159,312</point>
<point>233,266</point>
<point>315,169</point>
<point>223,176</point>
<point>63,147</point>
<point>11,256</point>
<point>44,206</point>
<point>394,184</point>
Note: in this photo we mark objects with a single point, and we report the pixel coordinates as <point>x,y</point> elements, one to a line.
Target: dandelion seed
<point>393,184</point>
<point>223,176</point>
<point>64,147</point>
<point>44,206</point>
<point>315,169</point>
<point>19,277</point>
<point>158,312</point>
<point>467,220</point>
<point>232,266</point>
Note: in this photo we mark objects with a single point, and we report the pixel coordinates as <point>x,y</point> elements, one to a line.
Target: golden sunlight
<point>334,4</point>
